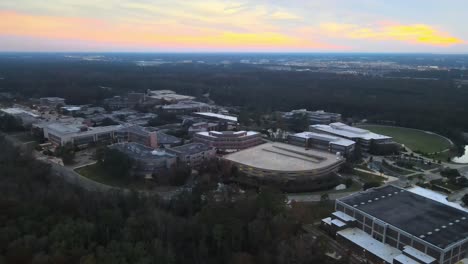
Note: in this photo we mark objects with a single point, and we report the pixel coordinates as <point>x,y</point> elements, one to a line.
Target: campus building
<point>361,136</point>
<point>203,127</point>
<point>193,154</point>
<point>230,122</point>
<point>78,134</point>
<point>147,137</point>
<point>289,167</point>
<point>323,142</point>
<point>26,116</point>
<point>139,135</point>
<point>313,117</point>
<point>393,225</point>
<point>186,107</point>
<point>229,140</point>
<point>167,96</point>
<point>51,101</point>
<point>145,160</point>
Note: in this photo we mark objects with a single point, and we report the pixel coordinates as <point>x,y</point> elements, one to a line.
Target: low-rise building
<point>139,135</point>
<point>193,154</point>
<point>146,161</point>
<point>52,101</point>
<point>161,96</point>
<point>322,141</point>
<point>229,140</point>
<point>313,117</point>
<point>116,102</point>
<point>393,225</point>
<point>186,107</point>
<point>147,136</point>
<point>202,127</point>
<point>79,134</point>
<point>217,117</point>
<point>361,136</point>
<point>288,167</point>
<point>26,116</point>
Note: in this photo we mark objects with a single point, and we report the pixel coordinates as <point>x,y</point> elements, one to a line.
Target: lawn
<point>369,177</point>
<point>95,173</point>
<point>416,140</point>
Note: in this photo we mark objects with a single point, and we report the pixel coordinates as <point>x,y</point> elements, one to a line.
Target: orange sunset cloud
<point>160,34</point>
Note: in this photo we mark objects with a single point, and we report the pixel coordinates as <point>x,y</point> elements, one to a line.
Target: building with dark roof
<point>390,218</point>
<point>193,154</point>
<point>313,117</point>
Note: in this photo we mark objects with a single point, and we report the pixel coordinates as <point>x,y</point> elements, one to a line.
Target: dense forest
<point>44,220</point>
<point>435,104</point>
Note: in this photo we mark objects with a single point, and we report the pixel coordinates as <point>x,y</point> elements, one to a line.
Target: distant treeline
<point>436,105</point>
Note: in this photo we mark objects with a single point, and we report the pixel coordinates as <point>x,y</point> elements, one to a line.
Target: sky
<point>435,26</point>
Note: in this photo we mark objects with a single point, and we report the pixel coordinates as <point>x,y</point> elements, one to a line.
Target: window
<point>405,240</point>
<point>391,242</point>
<point>419,246</point>
<point>378,228</point>
<point>359,217</point>
<point>367,229</point>
<point>392,233</point>
<point>433,253</point>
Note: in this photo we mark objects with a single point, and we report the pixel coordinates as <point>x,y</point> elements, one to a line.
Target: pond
<point>462,159</point>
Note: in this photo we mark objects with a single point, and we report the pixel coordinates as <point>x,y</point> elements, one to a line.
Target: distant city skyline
<point>430,26</point>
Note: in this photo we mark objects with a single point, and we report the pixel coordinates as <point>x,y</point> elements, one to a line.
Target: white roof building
<point>343,130</point>
<point>323,137</point>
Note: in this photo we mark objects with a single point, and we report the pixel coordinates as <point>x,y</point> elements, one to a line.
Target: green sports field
<point>416,140</point>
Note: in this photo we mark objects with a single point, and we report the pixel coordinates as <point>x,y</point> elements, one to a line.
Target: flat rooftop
<point>17,111</point>
<point>192,148</point>
<point>346,131</point>
<point>228,134</point>
<point>138,151</point>
<point>365,241</point>
<point>283,157</point>
<point>427,219</point>
<point>325,137</point>
<point>219,116</point>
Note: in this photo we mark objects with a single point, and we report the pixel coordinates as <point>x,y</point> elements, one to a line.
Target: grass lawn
<point>95,173</point>
<point>416,140</point>
<point>369,177</point>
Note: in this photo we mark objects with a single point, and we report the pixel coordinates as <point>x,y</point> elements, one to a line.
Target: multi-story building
<point>186,107</point>
<point>393,225</point>
<point>145,160</point>
<point>202,127</point>
<point>193,154</point>
<point>217,117</point>
<point>313,117</point>
<point>361,136</point>
<point>116,102</point>
<point>79,134</point>
<point>229,140</point>
<point>26,116</point>
<point>139,135</point>
<point>288,167</point>
<point>168,96</point>
<point>322,141</point>
<point>51,101</point>
<point>147,136</point>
